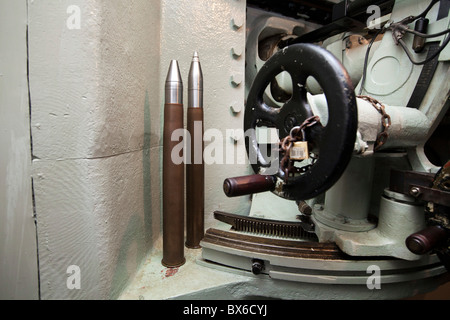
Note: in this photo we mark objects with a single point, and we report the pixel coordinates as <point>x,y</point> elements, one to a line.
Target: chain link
<point>296,134</point>
<point>385,121</point>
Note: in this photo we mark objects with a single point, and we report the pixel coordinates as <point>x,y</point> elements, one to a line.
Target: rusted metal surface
<point>276,247</point>
<point>400,181</point>
<point>419,185</point>
<point>385,121</point>
<point>173,173</point>
<point>195,184</point>
<point>287,143</point>
<point>434,191</point>
<point>431,195</point>
<point>173,192</point>
<point>265,226</point>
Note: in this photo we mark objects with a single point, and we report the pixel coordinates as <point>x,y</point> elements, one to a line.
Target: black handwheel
<point>333,143</point>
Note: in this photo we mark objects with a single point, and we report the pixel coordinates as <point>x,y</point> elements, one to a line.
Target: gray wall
<point>18,256</point>
<point>96,70</point>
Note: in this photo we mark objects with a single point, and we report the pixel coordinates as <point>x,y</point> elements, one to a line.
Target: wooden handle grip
<point>239,186</point>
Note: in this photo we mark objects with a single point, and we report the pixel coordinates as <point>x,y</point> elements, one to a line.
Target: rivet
<point>236,107</point>
<point>236,53</point>
<point>236,23</point>
<point>236,80</point>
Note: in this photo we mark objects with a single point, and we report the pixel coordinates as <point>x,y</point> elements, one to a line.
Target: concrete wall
<point>90,139</point>
<point>18,257</point>
<point>94,71</point>
<point>96,74</point>
<point>87,145</point>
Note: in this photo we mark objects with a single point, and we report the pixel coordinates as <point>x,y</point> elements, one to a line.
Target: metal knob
<point>424,241</point>
<point>245,185</point>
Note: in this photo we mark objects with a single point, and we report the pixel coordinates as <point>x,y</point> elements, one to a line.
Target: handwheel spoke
<point>267,114</point>
<point>314,135</point>
<point>298,87</point>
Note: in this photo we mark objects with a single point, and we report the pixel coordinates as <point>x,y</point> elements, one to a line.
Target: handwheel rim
<point>338,136</point>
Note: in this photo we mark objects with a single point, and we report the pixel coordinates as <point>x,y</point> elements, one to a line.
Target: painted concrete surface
<point>18,254</point>
<point>156,282</point>
<point>83,222</point>
<point>215,29</point>
<point>199,280</point>
<point>96,143</point>
<point>96,85</point>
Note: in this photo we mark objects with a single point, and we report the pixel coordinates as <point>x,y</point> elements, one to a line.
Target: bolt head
<point>414,191</point>
<point>257,267</point>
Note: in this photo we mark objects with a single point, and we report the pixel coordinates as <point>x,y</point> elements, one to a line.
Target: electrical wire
<point>424,35</point>
<point>430,58</point>
<point>398,30</point>
<point>366,59</point>
<point>423,14</point>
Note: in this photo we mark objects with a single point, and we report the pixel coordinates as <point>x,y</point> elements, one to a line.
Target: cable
<point>424,35</point>
<point>366,59</point>
<point>423,14</point>
<point>398,30</point>
<point>434,55</point>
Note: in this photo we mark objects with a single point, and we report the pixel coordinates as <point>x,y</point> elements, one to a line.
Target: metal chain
<point>385,121</point>
<point>296,134</point>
